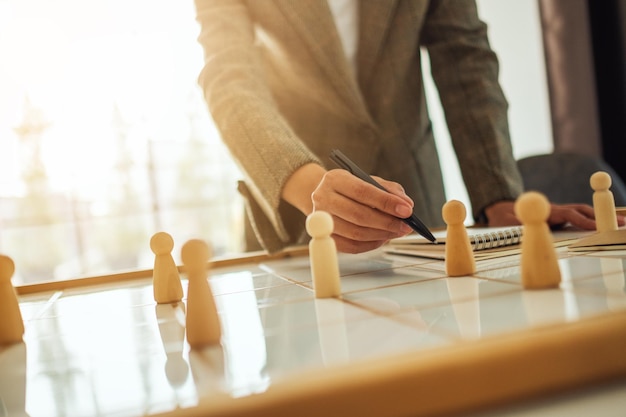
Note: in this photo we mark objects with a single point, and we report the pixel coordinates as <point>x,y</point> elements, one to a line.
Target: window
<point>105,138</point>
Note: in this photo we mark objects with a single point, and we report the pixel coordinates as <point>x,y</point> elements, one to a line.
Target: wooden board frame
<point>467,377</point>
<point>247,258</point>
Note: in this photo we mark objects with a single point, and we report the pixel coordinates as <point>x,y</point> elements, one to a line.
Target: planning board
<point>403,339</point>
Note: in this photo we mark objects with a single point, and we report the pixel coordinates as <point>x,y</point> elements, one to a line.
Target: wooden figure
<point>165,278</point>
<point>323,255</point>
<point>539,264</point>
<point>202,321</point>
<point>11,322</point>
<point>459,257</point>
<point>603,202</point>
<point>13,380</point>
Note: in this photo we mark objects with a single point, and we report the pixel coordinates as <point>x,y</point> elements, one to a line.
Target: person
<point>288,81</point>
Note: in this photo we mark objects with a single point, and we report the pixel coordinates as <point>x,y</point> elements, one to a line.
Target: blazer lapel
<point>313,20</point>
<point>374,21</point>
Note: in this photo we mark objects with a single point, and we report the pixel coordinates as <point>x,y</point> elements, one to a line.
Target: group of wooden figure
<point>539,266</point>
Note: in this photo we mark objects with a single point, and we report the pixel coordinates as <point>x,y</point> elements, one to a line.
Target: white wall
<point>515,35</point>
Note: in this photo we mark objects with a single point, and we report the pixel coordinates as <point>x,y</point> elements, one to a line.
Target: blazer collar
<point>314,21</point>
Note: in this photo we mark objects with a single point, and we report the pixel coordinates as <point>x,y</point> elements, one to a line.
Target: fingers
<point>353,246</point>
<point>394,188</point>
<point>578,215</point>
<point>341,183</point>
<point>361,233</point>
<point>365,217</point>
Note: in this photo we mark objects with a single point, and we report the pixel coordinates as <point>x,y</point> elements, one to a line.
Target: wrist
<point>481,218</point>
<point>301,184</point>
<point>496,213</point>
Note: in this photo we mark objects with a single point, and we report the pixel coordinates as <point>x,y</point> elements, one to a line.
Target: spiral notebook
<point>487,242</point>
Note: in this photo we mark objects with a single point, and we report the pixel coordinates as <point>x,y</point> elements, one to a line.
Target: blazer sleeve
<point>261,142</point>
<point>465,71</point>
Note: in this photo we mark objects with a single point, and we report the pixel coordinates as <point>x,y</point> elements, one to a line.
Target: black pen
<point>344,162</point>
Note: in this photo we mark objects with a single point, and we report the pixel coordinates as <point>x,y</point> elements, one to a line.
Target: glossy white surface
<point>109,350</point>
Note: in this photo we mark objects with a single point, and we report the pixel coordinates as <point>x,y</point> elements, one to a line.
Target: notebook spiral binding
<point>496,239</point>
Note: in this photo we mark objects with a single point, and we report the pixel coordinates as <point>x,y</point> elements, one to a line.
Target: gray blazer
<point>282,94</point>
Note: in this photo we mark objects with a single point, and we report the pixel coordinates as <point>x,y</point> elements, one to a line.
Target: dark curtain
<point>570,76</point>
<point>608,34</point>
<point>584,43</point>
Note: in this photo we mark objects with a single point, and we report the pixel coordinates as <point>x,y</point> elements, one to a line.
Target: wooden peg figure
<point>539,264</point>
<point>603,202</point>
<point>323,255</point>
<point>459,256</point>
<point>11,322</point>
<point>166,283</point>
<point>202,322</point>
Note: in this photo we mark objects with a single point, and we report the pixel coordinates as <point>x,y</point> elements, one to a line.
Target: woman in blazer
<point>284,90</point>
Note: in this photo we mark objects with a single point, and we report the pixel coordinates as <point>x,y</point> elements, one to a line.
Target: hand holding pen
<point>412,220</point>
<point>365,217</point>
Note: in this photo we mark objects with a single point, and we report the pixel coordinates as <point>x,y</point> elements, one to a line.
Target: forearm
<point>475,106</point>
<point>242,106</point>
